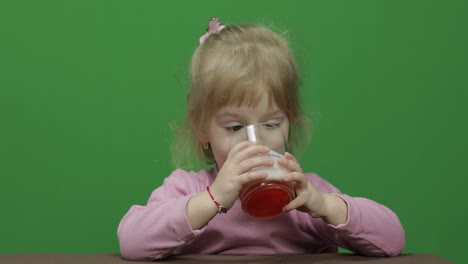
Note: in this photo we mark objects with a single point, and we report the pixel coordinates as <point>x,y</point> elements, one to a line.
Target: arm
<point>154,231</point>
<point>180,209</point>
<point>371,229</point>
<point>233,175</point>
<point>358,224</point>
<point>200,210</point>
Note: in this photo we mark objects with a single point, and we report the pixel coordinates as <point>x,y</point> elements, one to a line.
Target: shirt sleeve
<point>371,229</point>
<point>154,231</point>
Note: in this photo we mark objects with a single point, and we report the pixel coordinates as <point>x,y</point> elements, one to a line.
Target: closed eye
<point>234,128</point>
<point>271,125</point>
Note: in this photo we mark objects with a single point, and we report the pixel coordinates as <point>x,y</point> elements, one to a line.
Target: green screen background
<point>88,90</point>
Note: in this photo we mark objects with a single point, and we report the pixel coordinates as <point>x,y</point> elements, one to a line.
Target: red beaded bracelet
<point>221,209</point>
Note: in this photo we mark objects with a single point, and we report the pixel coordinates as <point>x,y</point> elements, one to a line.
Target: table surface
<point>247,259</point>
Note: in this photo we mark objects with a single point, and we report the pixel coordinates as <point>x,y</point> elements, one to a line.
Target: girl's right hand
<point>237,171</point>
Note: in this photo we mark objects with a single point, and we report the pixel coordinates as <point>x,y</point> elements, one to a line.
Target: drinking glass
<point>265,198</point>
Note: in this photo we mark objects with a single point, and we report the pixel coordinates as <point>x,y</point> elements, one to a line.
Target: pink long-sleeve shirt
<point>161,228</point>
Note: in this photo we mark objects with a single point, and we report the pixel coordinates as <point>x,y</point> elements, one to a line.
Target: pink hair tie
<point>214,26</point>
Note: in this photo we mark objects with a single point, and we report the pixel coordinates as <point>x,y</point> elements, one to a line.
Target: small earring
<point>205,145</point>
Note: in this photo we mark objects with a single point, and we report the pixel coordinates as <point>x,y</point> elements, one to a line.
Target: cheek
<point>220,147</point>
<point>220,154</point>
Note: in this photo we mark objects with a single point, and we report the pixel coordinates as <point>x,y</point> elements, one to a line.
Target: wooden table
<point>208,259</point>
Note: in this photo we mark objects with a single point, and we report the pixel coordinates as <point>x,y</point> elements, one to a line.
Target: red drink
<point>266,199</point>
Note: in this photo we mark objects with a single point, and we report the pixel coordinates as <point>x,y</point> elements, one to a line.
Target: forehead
<point>261,108</point>
<point>248,101</point>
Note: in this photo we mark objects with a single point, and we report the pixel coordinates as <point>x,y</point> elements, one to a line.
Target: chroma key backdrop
<point>89,89</point>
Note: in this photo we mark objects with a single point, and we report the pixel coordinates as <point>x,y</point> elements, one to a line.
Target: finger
<point>296,177</point>
<point>239,147</point>
<point>289,156</point>
<point>290,165</point>
<point>251,151</point>
<point>296,203</point>
<point>252,176</point>
<point>260,161</point>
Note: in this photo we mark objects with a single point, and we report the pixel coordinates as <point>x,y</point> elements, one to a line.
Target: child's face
<point>231,118</point>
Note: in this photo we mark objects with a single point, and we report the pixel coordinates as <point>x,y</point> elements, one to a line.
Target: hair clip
<point>214,26</point>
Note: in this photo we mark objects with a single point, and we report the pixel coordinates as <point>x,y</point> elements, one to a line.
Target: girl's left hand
<point>308,198</point>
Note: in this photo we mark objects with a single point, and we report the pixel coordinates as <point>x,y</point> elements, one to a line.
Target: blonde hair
<point>236,66</point>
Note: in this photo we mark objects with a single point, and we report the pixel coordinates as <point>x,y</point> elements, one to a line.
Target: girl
<point>241,75</point>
